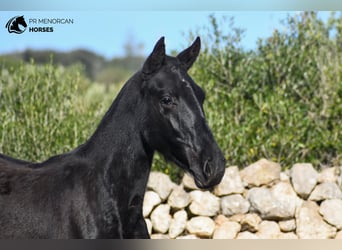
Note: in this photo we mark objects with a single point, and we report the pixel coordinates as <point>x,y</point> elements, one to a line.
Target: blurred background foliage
<point>281,101</point>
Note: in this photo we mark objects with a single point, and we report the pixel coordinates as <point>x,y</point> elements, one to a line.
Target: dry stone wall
<point>258,202</point>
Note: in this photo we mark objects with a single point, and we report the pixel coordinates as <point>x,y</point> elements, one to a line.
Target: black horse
<point>13,25</point>
<point>97,190</point>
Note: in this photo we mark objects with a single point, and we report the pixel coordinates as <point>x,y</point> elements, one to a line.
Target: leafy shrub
<point>282,101</point>
<point>43,111</point>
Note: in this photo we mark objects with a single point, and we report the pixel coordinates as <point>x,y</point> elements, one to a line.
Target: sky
<point>106,32</point>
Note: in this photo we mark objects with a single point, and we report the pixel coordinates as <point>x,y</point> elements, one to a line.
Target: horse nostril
<point>207,168</point>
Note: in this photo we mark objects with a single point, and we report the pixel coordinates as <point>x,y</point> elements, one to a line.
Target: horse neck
<point>117,144</point>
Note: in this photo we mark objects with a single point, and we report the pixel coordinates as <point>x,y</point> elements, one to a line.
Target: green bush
<point>43,110</point>
<point>282,101</point>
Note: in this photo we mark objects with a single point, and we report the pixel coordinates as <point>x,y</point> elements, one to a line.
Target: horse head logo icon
<point>16,25</point>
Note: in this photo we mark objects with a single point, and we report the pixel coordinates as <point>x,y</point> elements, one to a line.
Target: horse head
<point>20,20</point>
<point>175,121</point>
<point>13,25</point>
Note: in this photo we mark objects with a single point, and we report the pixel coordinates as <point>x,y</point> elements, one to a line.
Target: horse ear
<point>189,55</point>
<point>155,60</point>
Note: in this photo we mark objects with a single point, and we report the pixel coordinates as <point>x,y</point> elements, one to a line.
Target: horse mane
<point>6,158</point>
<point>11,166</point>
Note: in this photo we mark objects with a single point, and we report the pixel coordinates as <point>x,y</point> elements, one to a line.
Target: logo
<point>16,25</point>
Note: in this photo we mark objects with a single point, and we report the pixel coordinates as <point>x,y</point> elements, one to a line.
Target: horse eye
<point>166,101</point>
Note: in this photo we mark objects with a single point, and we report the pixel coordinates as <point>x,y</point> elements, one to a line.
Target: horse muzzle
<point>208,174</point>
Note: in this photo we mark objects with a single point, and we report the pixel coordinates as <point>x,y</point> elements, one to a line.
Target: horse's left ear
<point>189,55</point>
<point>156,59</point>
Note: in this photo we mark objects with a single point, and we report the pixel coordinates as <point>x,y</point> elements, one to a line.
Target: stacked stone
<point>258,202</point>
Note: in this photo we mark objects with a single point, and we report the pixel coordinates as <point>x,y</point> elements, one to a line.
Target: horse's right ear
<point>155,60</point>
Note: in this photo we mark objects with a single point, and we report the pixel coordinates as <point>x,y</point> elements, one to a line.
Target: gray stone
<point>262,172</point>
<point>231,183</point>
<point>161,184</point>
<point>201,226</point>
<point>204,203</point>
<point>332,212</point>
<point>280,202</point>
<point>178,224</point>
<point>151,199</point>
<point>188,182</point>
<point>246,236</point>
<point>261,200</point>
<point>326,190</point>
<point>268,230</point>
<point>178,198</point>
<point>310,225</point>
<point>287,225</point>
<point>250,222</point>
<point>227,230</point>
<point>328,175</point>
<point>304,179</point>
<point>234,204</point>
<point>286,201</point>
<point>161,218</point>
